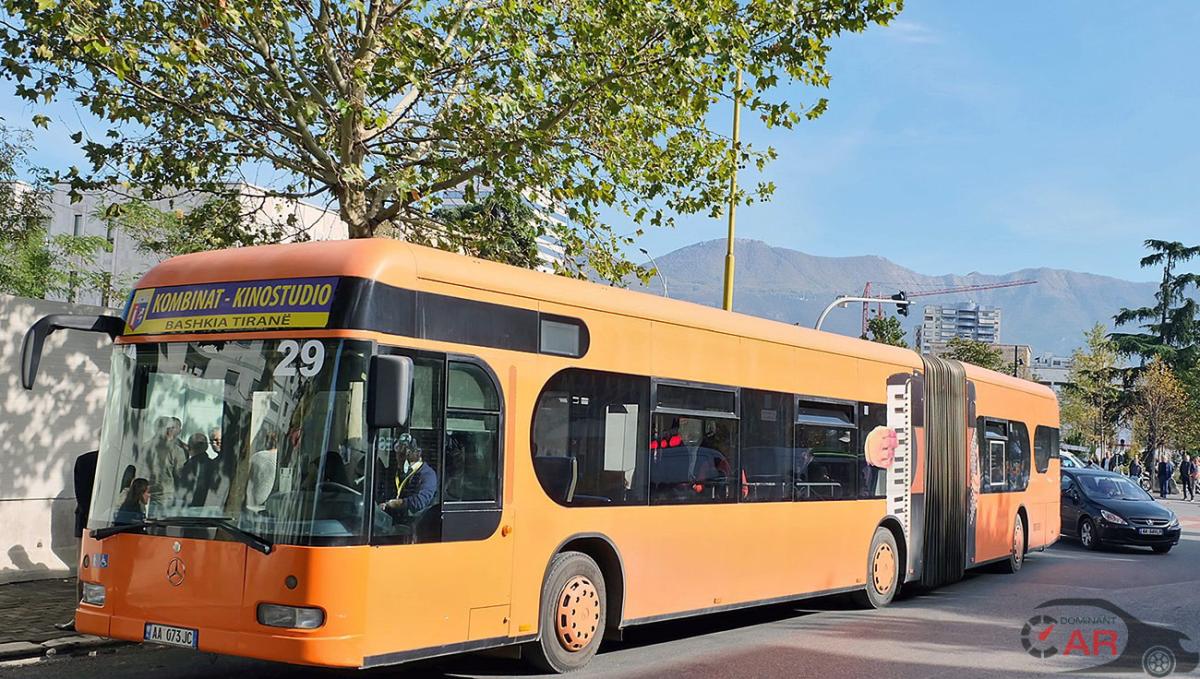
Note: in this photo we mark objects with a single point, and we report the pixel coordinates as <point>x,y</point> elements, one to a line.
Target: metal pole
<point>843,299</point>
<point>729,264</point>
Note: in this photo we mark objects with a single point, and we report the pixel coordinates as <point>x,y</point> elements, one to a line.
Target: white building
<point>126,263</point>
<point>942,323</point>
<point>1052,371</point>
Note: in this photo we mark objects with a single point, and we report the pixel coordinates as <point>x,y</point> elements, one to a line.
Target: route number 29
<point>311,357</point>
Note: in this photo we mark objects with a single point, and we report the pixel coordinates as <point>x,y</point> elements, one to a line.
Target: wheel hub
<point>1019,542</point>
<point>883,569</point>
<point>578,614</point>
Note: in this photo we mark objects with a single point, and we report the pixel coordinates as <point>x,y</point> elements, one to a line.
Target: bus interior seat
<point>559,475</point>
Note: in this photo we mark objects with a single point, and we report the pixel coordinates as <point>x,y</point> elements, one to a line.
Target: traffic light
<point>901,309</point>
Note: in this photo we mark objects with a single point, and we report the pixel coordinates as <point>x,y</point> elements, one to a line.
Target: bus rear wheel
<point>574,613</point>
<point>1016,557</point>
<point>883,571</point>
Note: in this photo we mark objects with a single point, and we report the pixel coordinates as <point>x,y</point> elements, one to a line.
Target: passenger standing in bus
<point>166,458</point>
<point>261,481</point>
<point>195,475</point>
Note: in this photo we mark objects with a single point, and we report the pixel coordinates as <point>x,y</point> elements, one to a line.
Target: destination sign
<point>227,307</point>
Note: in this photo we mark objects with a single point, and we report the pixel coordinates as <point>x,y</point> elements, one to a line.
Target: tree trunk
<point>352,206</point>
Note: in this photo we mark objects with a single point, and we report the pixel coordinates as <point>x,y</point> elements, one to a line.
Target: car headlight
<point>294,617</point>
<point>1174,522</point>
<point>1110,517</point>
<point>94,594</point>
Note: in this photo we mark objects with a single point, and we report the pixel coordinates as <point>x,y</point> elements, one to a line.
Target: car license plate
<point>171,636</point>
<point>1150,531</point>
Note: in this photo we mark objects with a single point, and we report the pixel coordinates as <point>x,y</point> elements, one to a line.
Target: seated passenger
<point>416,483</point>
<point>133,508</point>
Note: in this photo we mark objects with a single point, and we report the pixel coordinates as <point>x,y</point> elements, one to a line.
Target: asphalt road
<point>970,629</point>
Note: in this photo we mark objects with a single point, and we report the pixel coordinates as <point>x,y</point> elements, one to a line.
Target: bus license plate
<point>171,636</point>
<point>1150,531</point>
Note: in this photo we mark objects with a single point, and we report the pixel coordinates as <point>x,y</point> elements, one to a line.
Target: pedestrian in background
<point>1135,469</point>
<point>84,477</point>
<point>1187,478</point>
<point>1165,468</point>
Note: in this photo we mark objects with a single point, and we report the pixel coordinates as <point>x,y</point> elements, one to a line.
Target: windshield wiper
<point>251,540</point>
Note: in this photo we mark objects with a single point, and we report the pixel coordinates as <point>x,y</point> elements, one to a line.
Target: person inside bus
<point>261,479</point>
<point>415,483</point>
<point>133,507</point>
<point>195,477</point>
<point>166,458</point>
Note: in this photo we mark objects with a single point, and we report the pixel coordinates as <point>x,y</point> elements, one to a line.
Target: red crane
<point>942,291</point>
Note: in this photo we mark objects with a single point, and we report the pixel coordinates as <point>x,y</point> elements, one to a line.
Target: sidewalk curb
<point>21,650</point>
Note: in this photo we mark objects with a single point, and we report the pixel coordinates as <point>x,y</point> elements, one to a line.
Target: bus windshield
<point>269,434</point>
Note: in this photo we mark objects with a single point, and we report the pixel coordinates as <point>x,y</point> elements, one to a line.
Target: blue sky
<point>990,137</point>
<point>966,137</point>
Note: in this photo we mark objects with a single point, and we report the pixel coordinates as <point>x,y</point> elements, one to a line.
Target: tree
<point>215,224</point>
<point>975,352</point>
<point>34,263</point>
<point>502,228</point>
<point>1161,410</point>
<point>1090,408</point>
<point>1170,328</point>
<point>387,107</point>
<point>886,330</point>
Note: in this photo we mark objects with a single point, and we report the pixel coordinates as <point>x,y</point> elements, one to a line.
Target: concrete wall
<point>41,433</point>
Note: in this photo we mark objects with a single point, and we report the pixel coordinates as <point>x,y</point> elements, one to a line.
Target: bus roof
<point>410,266</point>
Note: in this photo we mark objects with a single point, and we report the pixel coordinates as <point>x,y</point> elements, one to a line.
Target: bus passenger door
<point>472,497</point>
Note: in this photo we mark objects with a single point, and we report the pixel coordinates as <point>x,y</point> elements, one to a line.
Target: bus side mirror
<point>390,399</point>
<point>35,337</point>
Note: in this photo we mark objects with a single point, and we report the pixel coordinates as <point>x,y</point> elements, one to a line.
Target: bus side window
<point>1045,444</point>
<point>472,469</point>
<point>1018,456</point>
<point>826,457</point>
<point>766,446</point>
<point>589,438</point>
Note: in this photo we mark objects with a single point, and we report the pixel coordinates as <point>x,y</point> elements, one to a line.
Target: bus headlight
<point>293,617</point>
<point>93,594</point>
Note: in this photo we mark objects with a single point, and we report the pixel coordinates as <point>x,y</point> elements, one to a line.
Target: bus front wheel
<point>883,571</point>
<point>573,614</point>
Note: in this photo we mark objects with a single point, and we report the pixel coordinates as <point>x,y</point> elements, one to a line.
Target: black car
<point>1105,508</point>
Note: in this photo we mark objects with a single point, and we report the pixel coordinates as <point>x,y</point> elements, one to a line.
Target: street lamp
<point>737,118</point>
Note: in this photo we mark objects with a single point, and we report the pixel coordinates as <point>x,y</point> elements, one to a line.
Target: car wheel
<point>1016,558</point>
<point>1158,661</point>
<point>1087,534</point>
<point>883,571</point>
<point>573,614</point>
<point>1161,549</point>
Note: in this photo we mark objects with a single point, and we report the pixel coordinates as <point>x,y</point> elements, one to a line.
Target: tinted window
<point>826,452</point>
<point>471,388</point>
<point>692,459</point>
<point>1017,457</point>
<point>678,397</point>
<point>561,336</point>
<point>590,438</point>
<point>1045,444</point>
<point>472,466</point>
<point>872,422</point>
<point>766,446</point>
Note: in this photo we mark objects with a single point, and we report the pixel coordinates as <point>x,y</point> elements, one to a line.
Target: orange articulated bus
<point>365,452</point>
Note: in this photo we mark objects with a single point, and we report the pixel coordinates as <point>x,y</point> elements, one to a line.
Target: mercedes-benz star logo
<point>175,572</point>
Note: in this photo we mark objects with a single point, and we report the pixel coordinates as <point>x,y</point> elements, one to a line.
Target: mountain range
<point>793,287</point>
